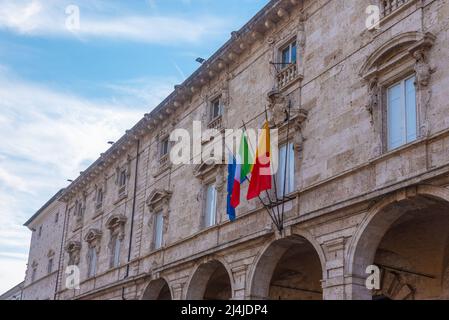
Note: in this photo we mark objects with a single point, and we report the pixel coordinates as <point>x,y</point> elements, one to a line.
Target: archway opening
<point>157,290</point>
<point>408,241</point>
<point>290,269</point>
<point>211,281</point>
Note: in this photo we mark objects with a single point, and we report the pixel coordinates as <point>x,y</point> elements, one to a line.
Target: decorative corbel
<point>93,238</point>
<point>373,98</point>
<point>277,109</point>
<point>117,222</point>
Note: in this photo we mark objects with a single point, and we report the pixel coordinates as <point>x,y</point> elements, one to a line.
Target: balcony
<point>287,76</point>
<point>216,123</point>
<point>390,6</point>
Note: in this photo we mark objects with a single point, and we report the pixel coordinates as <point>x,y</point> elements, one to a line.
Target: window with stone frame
<point>34,267</point>
<point>285,175</point>
<point>210,214</point>
<point>91,262</point>
<point>122,176</point>
<point>213,182</point>
<point>216,109</point>
<point>50,266</point>
<point>99,199</point>
<point>158,204</point>
<point>401,113</point>
<point>93,239</point>
<point>40,231</point>
<point>116,226</point>
<point>286,65</point>
<point>288,54</point>
<point>78,214</point>
<point>158,230</point>
<point>398,76</point>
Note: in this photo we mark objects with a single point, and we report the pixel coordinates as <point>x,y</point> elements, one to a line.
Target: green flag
<point>246,158</point>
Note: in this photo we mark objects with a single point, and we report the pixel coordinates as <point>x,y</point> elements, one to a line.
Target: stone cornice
<point>274,12</point>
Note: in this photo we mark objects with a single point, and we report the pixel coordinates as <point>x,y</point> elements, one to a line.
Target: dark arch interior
<point>157,290</point>
<point>219,285</point>
<point>290,269</point>
<point>165,293</point>
<point>297,275</point>
<point>211,281</point>
<point>413,253</point>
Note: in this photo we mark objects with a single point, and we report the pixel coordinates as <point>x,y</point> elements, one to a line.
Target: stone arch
<point>158,289</point>
<point>363,246</point>
<point>205,276</point>
<point>267,263</point>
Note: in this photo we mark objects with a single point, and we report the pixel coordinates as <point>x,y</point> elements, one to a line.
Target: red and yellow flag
<point>261,173</point>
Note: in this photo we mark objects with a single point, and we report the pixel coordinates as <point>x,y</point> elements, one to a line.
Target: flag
<point>243,168</point>
<point>231,175</point>
<point>261,173</point>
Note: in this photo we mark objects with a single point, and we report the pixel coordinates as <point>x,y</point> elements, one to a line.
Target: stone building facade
<point>368,183</point>
<point>44,255</point>
<point>13,293</point>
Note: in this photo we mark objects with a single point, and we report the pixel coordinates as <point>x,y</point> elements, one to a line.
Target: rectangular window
<point>40,231</point>
<point>92,266</point>
<point>211,206</point>
<point>288,54</point>
<point>401,113</point>
<point>164,147</point>
<point>115,251</point>
<point>50,266</point>
<point>57,217</point>
<point>158,230</point>
<point>216,109</point>
<point>285,176</point>
<point>99,204</point>
<point>122,179</point>
<point>33,274</point>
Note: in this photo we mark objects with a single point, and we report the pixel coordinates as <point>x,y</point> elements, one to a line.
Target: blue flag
<point>232,165</point>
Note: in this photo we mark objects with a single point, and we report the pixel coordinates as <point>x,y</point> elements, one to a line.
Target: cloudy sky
<point>65,91</point>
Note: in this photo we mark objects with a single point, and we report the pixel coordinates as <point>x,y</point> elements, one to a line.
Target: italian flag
<point>244,165</point>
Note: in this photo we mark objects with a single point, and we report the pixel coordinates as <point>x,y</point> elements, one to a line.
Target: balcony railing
<point>287,75</point>
<point>390,6</point>
<point>216,123</point>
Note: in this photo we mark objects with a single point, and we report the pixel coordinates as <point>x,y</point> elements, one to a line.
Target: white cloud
<point>48,136</point>
<point>47,18</point>
<point>12,272</point>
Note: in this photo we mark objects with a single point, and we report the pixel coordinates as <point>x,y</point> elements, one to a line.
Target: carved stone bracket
<point>93,238</point>
<point>73,248</point>
<point>117,222</point>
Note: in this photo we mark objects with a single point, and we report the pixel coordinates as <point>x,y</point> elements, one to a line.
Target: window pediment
<point>93,235</point>
<point>115,221</point>
<point>158,197</point>
<point>73,246</point>
<point>204,169</point>
<point>396,50</point>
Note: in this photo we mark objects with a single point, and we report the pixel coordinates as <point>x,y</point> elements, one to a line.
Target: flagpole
<point>263,203</point>
<point>287,151</point>
<point>274,176</point>
<point>273,217</point>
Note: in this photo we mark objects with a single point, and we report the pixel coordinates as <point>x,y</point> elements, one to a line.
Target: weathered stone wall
<point>342,167</point>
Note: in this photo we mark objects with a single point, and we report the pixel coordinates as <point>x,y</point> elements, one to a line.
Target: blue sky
<point>64,93</point>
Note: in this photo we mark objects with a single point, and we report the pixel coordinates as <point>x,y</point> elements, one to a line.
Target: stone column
<point>177,291</point>
<point>334,282</point>
<point>239,277</point>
